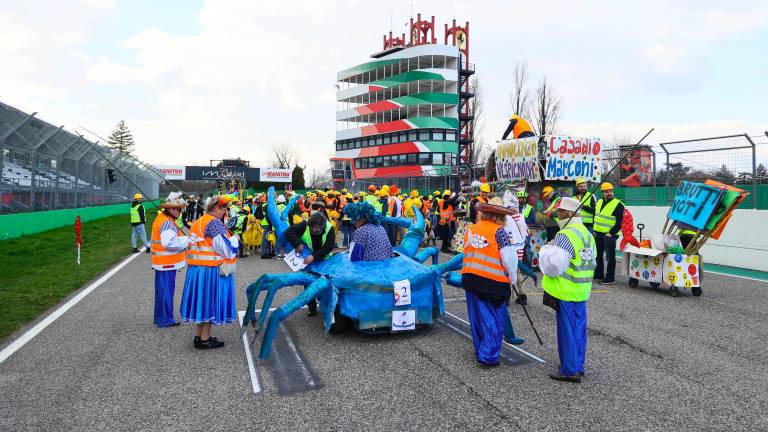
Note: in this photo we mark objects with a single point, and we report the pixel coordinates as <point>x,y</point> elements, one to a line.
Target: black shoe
<point>176,324</point>
<point>566,378</point>
<point>312,311</point>
<point>522,299</point>
<point>596,277</point>
<point>607,282</point>
<point>197,342</point>
<point>211,343</point>
<point>135,250</point>
<point>147,250</point>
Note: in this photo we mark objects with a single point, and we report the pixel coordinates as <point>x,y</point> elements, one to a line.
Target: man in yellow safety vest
<point>138,220</point>
<point>568,264</point>
<point>609,212</point>
<point>587,201</point>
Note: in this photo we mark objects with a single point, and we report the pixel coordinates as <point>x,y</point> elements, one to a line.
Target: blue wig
<point>359,210</point>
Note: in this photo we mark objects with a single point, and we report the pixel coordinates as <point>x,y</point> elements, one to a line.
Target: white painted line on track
<point>304,370</point>
<point>740,277</point>
<point>252,371</point>
<point>31,333</point>
<point>538,359</point>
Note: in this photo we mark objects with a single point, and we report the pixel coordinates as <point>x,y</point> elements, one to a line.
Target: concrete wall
<point>744,242</point>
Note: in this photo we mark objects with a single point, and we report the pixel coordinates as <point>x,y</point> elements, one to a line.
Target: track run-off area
<point>654,362</point>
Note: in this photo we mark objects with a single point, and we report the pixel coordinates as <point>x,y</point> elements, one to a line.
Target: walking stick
<point>528,316</point>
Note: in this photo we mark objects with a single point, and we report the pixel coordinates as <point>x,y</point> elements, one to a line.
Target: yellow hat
<point>349,195</point>
<point>362,194</point>
<point>546,191</point>
<point>138,196</point>
<point>606,186</point>
<point>344,190</point>
<point>485,187</point>
<point>446,192</point>
<point>436,193</point>
<point>580,180</point>
<point>414,193</point>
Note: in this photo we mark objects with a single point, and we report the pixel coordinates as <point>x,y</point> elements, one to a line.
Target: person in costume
<point>518,127</point>
<point>251,237</point>
<point>568,264</point>
<point>168,256</point>
<point>267,250</point>
<point>553,196</point>
<point>316,234</point>
<point>518,233</point>
<point>488,269</point>
<point>371,242</point>
<point>209,286</point>
<point>587,201</point>
<point>485,190</point>
<point>138,221</point>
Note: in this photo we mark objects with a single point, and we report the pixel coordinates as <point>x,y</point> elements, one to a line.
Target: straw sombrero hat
<point>174,201</point>
<point>495,205</point>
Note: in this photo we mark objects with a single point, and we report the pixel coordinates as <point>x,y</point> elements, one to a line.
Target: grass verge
<point>41,269</point>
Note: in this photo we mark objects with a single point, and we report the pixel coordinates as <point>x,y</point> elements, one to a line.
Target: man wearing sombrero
<point>488,270</point>
<point>168,255</point>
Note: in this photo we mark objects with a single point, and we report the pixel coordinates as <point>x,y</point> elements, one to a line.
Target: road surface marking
<point>505,342</point>
<point>31,333</point>
<point>252,370</point>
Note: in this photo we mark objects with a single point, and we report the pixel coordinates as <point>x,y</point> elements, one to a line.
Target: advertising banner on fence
<point>275,175</point>
<point>518,159</point>
<point>214,173</point>
<point>172,172</point>
<point>569,158</point>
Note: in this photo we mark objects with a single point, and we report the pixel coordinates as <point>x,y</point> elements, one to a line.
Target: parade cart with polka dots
<point>659,268</point>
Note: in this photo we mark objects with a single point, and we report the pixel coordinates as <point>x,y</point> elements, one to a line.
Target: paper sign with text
<point>402,292</point>
<point>694,204</point>
<point>403,320</point>
<point>518,159</point>
<point>294,261</point>
<point>569,158</point>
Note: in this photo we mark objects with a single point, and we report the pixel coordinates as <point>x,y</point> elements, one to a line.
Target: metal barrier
<point>45,167</point>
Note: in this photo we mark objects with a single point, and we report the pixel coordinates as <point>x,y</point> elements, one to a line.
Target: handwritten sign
<point>518,159</point>
<point>694,204</point>
<point>569,158</point>
<point>403,320</point>
<point>294,261</point>
<point>402,292</point>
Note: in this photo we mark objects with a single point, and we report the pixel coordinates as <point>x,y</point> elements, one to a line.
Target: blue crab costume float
<point>357,293</point>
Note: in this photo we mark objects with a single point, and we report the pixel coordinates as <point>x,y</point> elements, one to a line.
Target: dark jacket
<point>320,250</point>
<point>473,209</point>
<point>589,205</point>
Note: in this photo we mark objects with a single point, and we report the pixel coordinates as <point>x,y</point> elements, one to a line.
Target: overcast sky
<point>200,80</point>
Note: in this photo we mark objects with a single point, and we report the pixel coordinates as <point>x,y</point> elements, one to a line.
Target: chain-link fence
<point>45,167</point>
<point>648,176</point>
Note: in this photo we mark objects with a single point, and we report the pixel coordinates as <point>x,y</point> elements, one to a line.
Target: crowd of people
<point>223,228</point>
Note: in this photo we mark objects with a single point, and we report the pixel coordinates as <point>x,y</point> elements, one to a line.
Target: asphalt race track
<point>654,363</point>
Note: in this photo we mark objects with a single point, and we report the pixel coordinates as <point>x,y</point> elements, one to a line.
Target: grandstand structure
<point>46,167</point>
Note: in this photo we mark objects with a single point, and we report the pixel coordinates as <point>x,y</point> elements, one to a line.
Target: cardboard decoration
<point>569,158</point>
<point>644,264</point>
<point>538,239</point>
<point>457,242</point>
<point>518,159</point>
<point>682,270</point>
<point>694,204</point>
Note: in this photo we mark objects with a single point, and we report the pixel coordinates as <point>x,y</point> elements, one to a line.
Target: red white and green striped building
<point>400,114</point>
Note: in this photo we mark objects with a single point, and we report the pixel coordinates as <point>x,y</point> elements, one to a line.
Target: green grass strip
<point>39,270</point>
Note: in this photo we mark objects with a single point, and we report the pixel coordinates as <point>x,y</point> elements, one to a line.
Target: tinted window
<point>387,139</point>
<point>412,158</point>
<point>401,159</point>
<point>437,158</point>
<point>379,140</point>
<point>358,163</point>
<point>424,135</point>
<point>425,158</point>
<point>438,135</point>
<point>403,137</point>
<point>412,136</point>
<point>450,136</point>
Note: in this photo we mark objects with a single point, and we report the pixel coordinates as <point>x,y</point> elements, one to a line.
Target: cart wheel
<point>633,282</point>
<point>655,284</point>
<point>673,291</point>
<point>696,291</point>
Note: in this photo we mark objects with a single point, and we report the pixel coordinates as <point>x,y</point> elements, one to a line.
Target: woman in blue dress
<point>209,286</point>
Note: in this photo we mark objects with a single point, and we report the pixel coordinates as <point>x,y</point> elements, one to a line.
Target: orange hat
<point>372,188</point>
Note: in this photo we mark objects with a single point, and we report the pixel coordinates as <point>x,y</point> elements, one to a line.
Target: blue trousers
<point>487,324</point>
<point>140,232</point>
<point>572,336</point>
<point>165,286</point>
<point>346,230</point>
<point>266,248</point>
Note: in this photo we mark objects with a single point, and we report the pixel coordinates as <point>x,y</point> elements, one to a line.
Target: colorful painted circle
<point>678,258</point>
<point>692,269</point>
<point>645,275</point>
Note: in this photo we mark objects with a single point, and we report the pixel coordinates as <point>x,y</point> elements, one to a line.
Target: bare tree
<point>282,155</point>
<point>319,179</point>
<point>478,151</point>
<point>519,97</point>
<point>546,109</point>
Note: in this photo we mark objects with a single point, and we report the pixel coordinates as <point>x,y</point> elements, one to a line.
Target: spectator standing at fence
<point>138,221</point>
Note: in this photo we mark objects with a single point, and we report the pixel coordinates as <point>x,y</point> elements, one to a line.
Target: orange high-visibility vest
<point>163,259</point>
<point>446,214</point>
<point>481,252</point>
<point>201,253</point>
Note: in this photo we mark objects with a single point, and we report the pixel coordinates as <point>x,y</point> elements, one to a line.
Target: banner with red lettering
<point>569,158</point>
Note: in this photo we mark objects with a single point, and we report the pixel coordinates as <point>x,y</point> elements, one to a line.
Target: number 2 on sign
<point>294,261</point>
